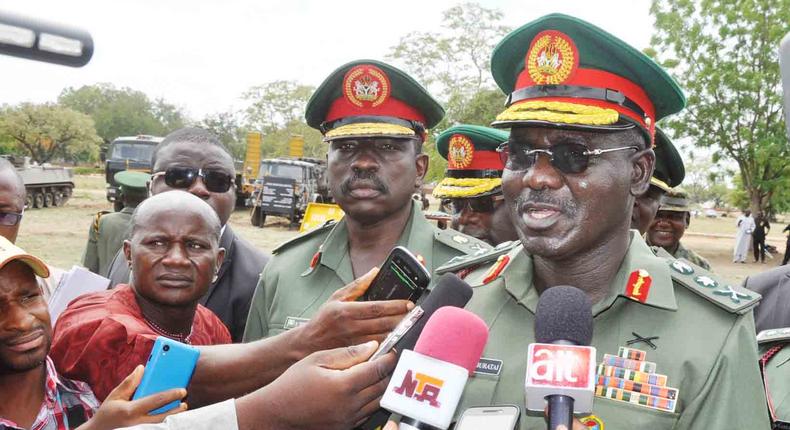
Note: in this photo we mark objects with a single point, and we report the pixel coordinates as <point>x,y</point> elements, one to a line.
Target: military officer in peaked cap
<point>582,107</point>
<point>374,119</point>
<point>106,234</point>
<point>472,186</point>
<point>669,172</point>
<point>670,223</point>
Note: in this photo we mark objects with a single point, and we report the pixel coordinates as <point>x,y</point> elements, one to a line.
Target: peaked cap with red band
<point>564,72</point>
<point>474,168</point>
<point>368,98</point>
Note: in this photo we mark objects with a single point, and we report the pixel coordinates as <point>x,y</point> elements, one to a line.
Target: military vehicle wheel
<point>117,206</point>
<point>28,201</point>
<point>257,218</point>
<point>38,200</point>
<point>58,199</point>
<point>49,200</point>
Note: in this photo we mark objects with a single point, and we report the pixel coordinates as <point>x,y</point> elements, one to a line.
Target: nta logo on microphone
<point>421,387</point>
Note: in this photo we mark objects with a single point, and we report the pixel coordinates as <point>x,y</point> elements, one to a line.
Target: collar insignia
<point>638,286</point>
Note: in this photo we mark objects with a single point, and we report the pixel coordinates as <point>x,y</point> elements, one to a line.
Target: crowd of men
<point>574,185</point>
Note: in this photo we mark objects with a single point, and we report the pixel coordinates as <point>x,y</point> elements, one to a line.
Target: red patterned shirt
<point>67,404</point>
<point>101,337</point>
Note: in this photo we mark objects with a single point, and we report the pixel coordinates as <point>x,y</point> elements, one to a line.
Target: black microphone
<point>40,40</point>
<point>449,290</point>
<point>563,329</point>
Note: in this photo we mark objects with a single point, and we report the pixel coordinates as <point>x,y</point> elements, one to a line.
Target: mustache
<point>568,206</point>
<point>364,176</point>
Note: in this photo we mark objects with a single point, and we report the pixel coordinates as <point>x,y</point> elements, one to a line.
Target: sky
<point>203,54</point>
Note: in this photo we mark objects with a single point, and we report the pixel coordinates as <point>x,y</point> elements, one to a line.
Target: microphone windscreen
<point>564,314</point>
<point>454,335</point>
<point>449,290</point>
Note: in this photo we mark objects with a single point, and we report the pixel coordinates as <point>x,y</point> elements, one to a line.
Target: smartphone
<point>401,277</point>
<point>504,417</point>
<point>169,366</point>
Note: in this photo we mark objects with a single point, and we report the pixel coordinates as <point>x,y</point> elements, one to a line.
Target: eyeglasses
<point>10,218</point>
<point>567,157</point>
<point>475,204</point>
<point>184,177</point>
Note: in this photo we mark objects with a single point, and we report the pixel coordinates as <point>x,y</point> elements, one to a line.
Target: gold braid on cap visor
<point>465,187</point>
<point>369,129</point>
<point>559,112</point>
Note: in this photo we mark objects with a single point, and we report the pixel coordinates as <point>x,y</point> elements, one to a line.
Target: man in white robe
<point>743,237</point>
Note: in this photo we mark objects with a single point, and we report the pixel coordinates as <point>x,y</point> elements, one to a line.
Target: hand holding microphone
<point>427,383</point>
<point>560,366</point>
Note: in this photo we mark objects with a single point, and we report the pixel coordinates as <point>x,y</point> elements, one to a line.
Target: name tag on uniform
<point>293,322</point>
<point>488,366</point>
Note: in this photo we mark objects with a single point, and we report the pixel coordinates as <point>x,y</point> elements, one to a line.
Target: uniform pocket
<point>622,415</point>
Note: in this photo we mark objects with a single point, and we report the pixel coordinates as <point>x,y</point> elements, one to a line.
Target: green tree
<point>277,110</point>
<point>122,112</point>
<point>48,131</point>
<point>228,126</point>
<point>725,55</point>
<point>454,64</point>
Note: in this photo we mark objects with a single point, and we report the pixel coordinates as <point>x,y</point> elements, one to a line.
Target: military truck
<point>127,153</point>
<point>46,185</point>
<point>285,186</point>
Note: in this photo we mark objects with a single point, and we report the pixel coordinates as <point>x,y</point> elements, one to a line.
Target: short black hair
<point>195,135</point>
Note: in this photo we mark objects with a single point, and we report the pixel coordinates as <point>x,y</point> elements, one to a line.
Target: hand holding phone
<point>169,366</point>
<point>401,277</point>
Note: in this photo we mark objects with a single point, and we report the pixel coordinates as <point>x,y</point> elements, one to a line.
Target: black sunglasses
<point>568,157</point>
<point>476,204</point>
<point>184,177</point>
<point>10,218</point>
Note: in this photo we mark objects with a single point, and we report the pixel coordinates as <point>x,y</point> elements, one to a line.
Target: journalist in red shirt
<point>173,255</point>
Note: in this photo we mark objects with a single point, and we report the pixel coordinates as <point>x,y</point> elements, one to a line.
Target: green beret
<point>474,168</point>
<point>131,181</point>
<point>564,72</point>
<point>368,98</point>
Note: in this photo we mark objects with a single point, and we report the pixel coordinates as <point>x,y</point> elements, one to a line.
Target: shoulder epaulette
<point>724,294</point>
<point>466,244</point>
<point>97,218</point>
<point>472,261</point>
<point>774,335</point>
<point>304,236</point>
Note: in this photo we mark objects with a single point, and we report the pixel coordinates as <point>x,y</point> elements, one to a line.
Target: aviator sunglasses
<point>568,157</point>
<point>184,177</point>
<point>476,204</point>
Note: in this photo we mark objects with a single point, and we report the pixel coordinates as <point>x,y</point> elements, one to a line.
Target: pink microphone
<point>428,382</point>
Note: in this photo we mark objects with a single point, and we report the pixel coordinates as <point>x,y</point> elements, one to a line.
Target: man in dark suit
<point>194,160</point>
<point>774,310</point>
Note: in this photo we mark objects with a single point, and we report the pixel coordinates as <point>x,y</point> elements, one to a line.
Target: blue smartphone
<point>169,366</point>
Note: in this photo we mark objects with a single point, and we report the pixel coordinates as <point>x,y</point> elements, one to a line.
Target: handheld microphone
<point>449,290</point>
<point>560,366</point>
<point>428,382</point>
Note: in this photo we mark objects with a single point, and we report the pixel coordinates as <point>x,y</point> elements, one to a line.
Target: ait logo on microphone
<point>560,365</point>
<point>421,387</point>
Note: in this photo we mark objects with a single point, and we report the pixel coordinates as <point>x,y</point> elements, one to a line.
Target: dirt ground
<point>58,235</point>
